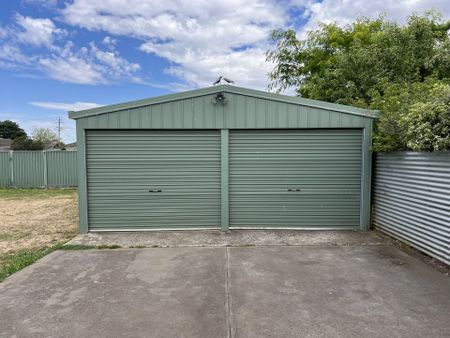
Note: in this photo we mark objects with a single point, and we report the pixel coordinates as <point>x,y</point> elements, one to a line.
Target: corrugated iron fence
<point>411,200</point>
<point>38,169</point>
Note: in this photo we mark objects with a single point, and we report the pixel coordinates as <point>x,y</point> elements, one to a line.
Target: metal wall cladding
<point>411,200</point>
<point>28,169</point>
<point>61,168</point>
<point>240,112</point>
<point>244,109</point>
<point>295,178</point>
<point>5,172</point>
<point>153,179</point>
<point>38,169</point>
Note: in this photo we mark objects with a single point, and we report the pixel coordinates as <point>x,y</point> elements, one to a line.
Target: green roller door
<point>295,178</point>
<point>153,179</point>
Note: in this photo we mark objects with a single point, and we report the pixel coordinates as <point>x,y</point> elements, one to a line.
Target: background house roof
<point>5,144</point>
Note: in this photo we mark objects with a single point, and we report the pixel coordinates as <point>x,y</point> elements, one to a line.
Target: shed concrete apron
<point>295,178</point>
<point>143,179</point>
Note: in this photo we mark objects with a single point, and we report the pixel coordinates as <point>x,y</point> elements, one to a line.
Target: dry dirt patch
<point>37,219</point>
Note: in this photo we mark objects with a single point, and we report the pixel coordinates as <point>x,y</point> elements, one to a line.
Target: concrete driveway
<point>370,290</point>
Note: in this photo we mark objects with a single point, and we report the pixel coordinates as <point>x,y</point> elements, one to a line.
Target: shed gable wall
<point>240,112</point>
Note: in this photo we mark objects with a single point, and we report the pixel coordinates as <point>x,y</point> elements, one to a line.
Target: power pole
<point>59,128</point>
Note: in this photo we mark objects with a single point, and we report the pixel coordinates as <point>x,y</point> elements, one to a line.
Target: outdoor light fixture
<point>219,99</point>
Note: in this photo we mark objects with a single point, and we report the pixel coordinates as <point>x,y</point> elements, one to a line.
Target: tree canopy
<point>26,143</point>
<point>404,71</point>
<point>11,130</point>
<point>44,135</point>
<point>47,138</point>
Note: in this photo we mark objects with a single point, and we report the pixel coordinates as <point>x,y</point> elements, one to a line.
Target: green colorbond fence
<point>38,169</point>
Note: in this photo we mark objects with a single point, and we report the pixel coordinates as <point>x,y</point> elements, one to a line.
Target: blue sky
<point>65,55</point>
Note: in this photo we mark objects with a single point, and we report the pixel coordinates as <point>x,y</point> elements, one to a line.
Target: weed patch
<point>15,261</point>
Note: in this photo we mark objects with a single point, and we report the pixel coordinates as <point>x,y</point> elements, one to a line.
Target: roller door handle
<point>155,190</point>
<point>293,189</point>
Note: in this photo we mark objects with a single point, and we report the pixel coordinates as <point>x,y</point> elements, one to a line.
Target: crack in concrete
<point>228,310</point>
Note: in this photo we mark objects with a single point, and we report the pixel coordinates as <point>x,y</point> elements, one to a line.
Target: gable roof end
<point>227,89</point>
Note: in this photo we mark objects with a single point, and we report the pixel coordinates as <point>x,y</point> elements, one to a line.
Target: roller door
<point>153,179</point>
<point>295,178</point>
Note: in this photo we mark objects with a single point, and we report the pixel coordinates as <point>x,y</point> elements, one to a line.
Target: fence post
<point>11,169</point>
<point>44,153</point>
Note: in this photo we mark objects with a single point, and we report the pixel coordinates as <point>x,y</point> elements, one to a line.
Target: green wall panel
<point>239,112</point>
<point>38,169</point>
<point>5,170</point>
<point>61,169</point>
<point>28,169</point>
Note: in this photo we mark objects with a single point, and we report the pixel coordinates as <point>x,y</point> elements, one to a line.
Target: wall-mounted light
<point>219,98</point>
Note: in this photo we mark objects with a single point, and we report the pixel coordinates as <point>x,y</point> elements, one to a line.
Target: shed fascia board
<point>227,89</point>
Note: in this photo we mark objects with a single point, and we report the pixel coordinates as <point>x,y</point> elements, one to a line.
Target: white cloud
<point>71,69</point>
<point>75,106</point>
<point>247,68</point>
<point>3,33</point>
<point>204,39</point>
<point>345,11</point>
<point>85,65</point>
<point>36,31</point>
<point>61,60</point>
<point>12,55</point>
<point>88,65</point>
<point>109,41</point>
<point>117,65</point>
<point>201,39</point>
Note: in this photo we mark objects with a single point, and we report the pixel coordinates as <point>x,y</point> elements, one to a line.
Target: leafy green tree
<point>351,64</point>
<point>26,143</point>
<point>43,138</point>
<point>373,64</point>
<point>47,138</point>
<point>44,135</point>
<point>11,130</point>
<point>427,124</point>
<point>395,104</point>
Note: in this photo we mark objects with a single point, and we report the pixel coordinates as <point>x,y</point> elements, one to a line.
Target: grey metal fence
<point>411,200</point>
<point>38,169</point>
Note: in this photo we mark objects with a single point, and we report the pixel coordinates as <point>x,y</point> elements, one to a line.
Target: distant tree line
<point>403,71</point>
<point>41,139</point>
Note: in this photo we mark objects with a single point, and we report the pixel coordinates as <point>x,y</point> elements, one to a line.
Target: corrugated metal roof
<point>227,89</point>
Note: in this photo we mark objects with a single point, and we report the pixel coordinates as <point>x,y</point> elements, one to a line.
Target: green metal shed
<point>224,157</point>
